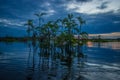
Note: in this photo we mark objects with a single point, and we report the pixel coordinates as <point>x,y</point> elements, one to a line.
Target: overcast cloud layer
<point>102,16</point>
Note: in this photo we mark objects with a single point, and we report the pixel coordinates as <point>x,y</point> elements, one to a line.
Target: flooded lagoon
<point>23,61</point>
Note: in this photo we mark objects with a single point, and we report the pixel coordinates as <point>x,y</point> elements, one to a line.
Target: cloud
<point>7,22</point>
<point>116,22</point>
<point>94,7</point>
<point>81,0</point>
<point>49,12</point>
<point>97,13</point>
<point>103,5</point>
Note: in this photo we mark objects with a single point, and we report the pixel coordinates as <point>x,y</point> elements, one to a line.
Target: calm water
<point>101,62</point>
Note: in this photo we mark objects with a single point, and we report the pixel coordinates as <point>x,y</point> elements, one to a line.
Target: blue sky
<point>102,16</point>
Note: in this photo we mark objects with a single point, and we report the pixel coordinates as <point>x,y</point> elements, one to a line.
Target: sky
<point>102,16</point>
<point>113,35</point>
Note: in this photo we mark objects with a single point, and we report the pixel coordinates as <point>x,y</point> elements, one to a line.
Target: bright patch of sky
<point>94,7</point>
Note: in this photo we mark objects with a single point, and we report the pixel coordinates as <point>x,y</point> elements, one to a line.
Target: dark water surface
<point>20,61</point>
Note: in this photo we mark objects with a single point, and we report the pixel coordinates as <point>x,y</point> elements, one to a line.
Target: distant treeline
<point>12,39</point>
<point>25,39</point>
<point>104,40</point>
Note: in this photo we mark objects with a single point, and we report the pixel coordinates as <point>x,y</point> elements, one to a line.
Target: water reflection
<point>109,45</point>
<point>31,61</point>
<point>54,65</point>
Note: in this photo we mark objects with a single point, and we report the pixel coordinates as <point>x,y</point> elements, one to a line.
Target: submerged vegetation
<point>59,33</point>
<point>55,41</point>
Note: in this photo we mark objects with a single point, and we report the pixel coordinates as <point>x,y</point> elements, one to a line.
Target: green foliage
<point>53,33</point>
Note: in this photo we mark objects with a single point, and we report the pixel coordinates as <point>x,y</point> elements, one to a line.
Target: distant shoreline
<point>25,39</point>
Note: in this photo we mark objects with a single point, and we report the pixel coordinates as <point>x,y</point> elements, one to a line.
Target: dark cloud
<point>103,5</point>
<point>102,23</point>
<point>18,9</point>
<point>83,0</point>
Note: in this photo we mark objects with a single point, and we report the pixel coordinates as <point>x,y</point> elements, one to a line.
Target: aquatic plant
<point>59,33</point>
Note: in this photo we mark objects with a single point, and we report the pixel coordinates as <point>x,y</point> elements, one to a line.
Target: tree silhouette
<point>81,22</point>
<point>59,32</point>
<point>29,25</point>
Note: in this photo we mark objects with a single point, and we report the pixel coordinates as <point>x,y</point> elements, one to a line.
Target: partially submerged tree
<point>81,22</point>
<point>29,25</point>
<point>40,20</point>
<point>58,33</point>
